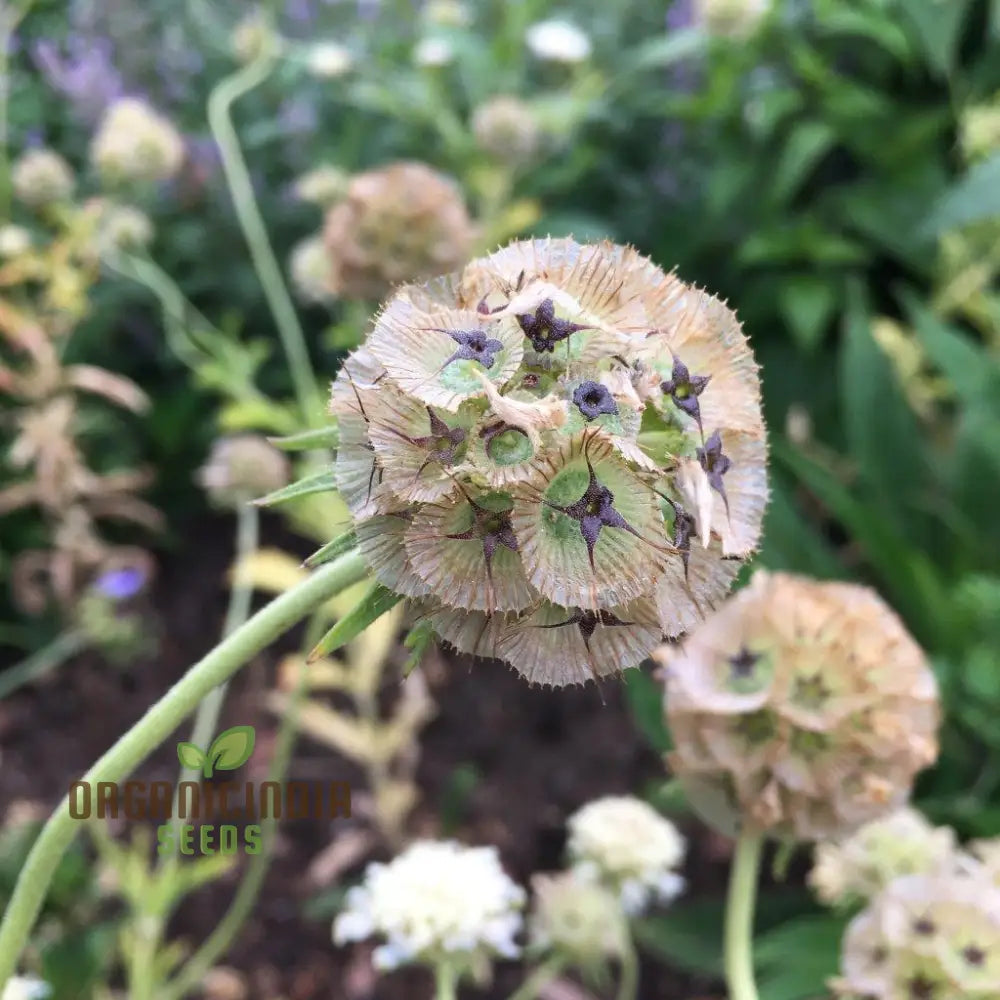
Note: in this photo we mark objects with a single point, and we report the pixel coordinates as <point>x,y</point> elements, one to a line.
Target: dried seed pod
<point>134,143</point>
<point>242,468</point>
<point>403,222</point>
<point>512,460</point>
<point>800,708</point>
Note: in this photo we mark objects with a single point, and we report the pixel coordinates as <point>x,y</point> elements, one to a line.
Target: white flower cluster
<point>14,241</point>
<point>42,177</point>
<point>122,227</point>
<point>134,143</point>
<point>558,41</point>
<point>324,185</point>
<point>329,60</point>
<point>309,269</point>
<point>437,901</point>
<point>25,988</point>
<point>623,843</point>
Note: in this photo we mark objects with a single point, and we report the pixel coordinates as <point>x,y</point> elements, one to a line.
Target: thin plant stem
<point>445,981</point>
<point>234,166</point>
<point>159,722</point>
<point>539,979</point>
<point>739,916</point>
<point>240,595</point>
<point>219,941</point>
<point>42,662</point>
<point>628,987</point>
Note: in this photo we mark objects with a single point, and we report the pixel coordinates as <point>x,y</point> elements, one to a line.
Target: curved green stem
<point>293,340</point>
<point>739,916</point>
<point>628,987</point>
<point>42,662</point>
<point>539,978</point>
<point>218,942</point>
<point>153,728</point>
<point>445,982</point>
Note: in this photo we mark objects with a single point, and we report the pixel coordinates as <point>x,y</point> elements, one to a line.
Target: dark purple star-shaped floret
<point>685,388</point>
<point>592,399</point>
<point>544,329</point>
<point>743,662</point>
<point>442,443</point>
<point>473,345</point>
<point>594,510</point>
<point>493,527</point>
<point>587,622</point>
<point>715,464</point>
<point>684,529</point>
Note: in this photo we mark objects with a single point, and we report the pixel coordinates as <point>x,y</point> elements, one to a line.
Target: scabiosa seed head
<point>578,919</point>
<point>926,937</point>
<point>625,845</point>
<point>801,708</point>
<point>731,18</point>
<point>309,269</point>
<point>436,902</point>
<point>325,185</point>
<point>514,467</point>
<point>42,177</point>
<point>507,130</point>
<point>134,143</point>
<point>857,867</point>
<point>403,222</point>
<point>242,468</point>
<point>447,13</point>
<point>14,241</point>
<point>120,227</point>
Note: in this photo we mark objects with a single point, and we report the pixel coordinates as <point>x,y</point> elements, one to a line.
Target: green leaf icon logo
<point>229,750</point>
<point>190,756</point>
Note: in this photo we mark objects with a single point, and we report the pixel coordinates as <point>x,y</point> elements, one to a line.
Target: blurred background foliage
<point>834,173</point>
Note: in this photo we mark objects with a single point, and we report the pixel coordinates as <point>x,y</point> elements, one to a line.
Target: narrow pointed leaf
<point>318,482</point>
<point>373,605</point>
<point>321,437</point>
<point>332,550</point>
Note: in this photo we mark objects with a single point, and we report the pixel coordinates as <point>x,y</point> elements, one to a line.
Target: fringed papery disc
<point>470,632</point>
<point>417,447</point>
<point>422,359</point>
<point>705,335</point>
<point>554,546</point>
<point>683,602</point>
<point>558,646</point>
<point>380,540</point>
<point>457,570</point>
<point>502,454</point>
<point>745,483</point>
<point>622,423</point>
<point>356,471</point>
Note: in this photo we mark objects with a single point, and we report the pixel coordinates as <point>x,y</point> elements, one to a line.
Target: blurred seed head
<point>506,129</point>
<point>41,177</point>
<point>240,469</point>
<point>14,241</point>
<point>254,38</point>
<point>857,867</point>
<point>397,223</point>
<point>309,269</point>
<point>731,18</point>
<point>557,453</point>
<point>580,920</point>
<point>436,902</point>
<point>625,845</point>
<point>323,186</point>
<point>121,227</point>
<point>134,143</point>
<point>931,936</point>
<point>979,131</point>
<point>329,60</point>
<point>558,41</point>
<point>800,708</point>
<point>447,13</point>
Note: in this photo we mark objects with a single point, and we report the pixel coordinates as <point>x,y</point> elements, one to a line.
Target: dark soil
<point>501,763</point>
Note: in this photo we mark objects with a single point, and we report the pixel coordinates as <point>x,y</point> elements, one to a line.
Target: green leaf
<point>318,482</point>
<point>807,303</point>
<point>814,941</point>
<point>974,198</point>
<point>938,24</point>
<point>376,602</point>
<point>418,640</point>
<point>321,437</point>
<point>190,756</point>
<point>789,543</point>
<point>666,50</point>
<point>644,697</point>
<point>875,25</point>
<point>332,550</point>
<point>231,748</point>
<point>800,153</point>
